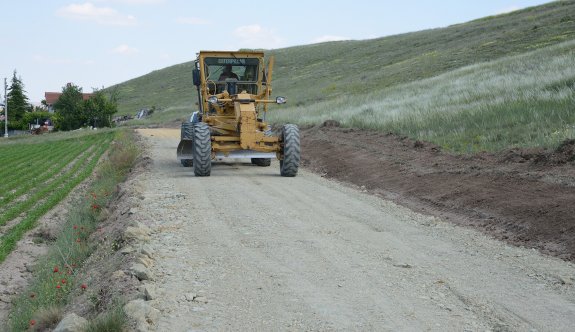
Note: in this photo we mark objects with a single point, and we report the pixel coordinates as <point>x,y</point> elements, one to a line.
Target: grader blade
<point>185,149</point>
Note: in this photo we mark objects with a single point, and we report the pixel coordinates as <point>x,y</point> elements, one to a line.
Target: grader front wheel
<point>202,150</point>
<point>289,164</point>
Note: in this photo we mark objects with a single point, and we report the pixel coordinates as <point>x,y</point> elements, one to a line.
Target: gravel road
<point>246,249</point>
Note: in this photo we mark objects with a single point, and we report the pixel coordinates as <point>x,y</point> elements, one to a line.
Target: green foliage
<point>99,109</point>
<point>36,117</point>
<point>74,112</point>
<point>70,106</point>
<point>18,103</point>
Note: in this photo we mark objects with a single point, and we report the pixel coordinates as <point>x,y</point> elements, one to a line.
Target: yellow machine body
<point>236,118</point>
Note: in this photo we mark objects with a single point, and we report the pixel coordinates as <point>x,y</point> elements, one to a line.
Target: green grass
<point>72,246</point>
<point>112,321</point>
<point>523,100</point>
<point>166,88</point>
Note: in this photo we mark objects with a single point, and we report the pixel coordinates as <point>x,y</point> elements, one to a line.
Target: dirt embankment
<point>526,197</point>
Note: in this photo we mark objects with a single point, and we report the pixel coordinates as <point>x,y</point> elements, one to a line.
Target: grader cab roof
<point>231,54</point>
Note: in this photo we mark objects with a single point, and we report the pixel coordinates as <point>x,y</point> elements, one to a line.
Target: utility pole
<point>5,108</point>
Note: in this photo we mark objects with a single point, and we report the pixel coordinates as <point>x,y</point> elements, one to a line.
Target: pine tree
<point>17,102</point>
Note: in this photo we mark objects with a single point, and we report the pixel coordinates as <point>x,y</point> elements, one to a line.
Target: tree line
<point>71,111</point>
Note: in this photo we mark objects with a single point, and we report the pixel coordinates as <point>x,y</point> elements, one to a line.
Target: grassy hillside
<point>467,87</point>
<point>320,71</point>
<point>311,73</point>
<point>522,100</point>
<point>163,88</point>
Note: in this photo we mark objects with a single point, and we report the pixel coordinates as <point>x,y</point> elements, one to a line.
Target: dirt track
<point>246,249</point>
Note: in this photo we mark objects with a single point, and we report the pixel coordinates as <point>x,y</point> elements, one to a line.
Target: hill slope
<point>522,101</point>
<point>310,73</point>
<point>357,67</point>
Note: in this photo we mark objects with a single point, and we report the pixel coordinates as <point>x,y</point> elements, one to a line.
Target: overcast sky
<point>104,42</point>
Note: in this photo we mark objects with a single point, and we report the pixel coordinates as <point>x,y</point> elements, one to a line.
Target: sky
<point>99,43</point>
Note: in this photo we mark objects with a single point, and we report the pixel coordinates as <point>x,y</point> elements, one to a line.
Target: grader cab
<point>234,91</point>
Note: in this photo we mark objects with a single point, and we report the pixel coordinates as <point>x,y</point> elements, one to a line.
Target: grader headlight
<point>281,100</point>
<point>213,100</point>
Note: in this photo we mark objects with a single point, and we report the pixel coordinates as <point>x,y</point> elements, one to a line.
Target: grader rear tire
<point>262,162</point>
<point>187,134</point>
<point>291,151</point>
<point>202,150</point>
<point>187,131</point>
<point>187,162</point>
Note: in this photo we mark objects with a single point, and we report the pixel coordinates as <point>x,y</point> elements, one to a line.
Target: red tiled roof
<point>52,97</point>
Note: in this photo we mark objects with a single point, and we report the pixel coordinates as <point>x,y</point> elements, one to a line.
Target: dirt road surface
<point>246,249</point>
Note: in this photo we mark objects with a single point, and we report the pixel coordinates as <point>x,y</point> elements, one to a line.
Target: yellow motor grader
<point>234,91</point>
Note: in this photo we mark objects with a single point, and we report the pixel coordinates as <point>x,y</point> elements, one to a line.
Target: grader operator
<point>234,91</point>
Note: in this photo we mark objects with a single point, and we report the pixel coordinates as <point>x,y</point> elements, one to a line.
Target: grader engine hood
<point>246,117</point>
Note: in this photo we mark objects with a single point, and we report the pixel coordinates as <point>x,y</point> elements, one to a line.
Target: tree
<point>73,112</point>
<point>70,107</point>
<point>17,102</point>
<point>100,108</point>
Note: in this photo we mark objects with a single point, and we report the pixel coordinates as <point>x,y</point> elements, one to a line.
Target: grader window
<point>244,70</point>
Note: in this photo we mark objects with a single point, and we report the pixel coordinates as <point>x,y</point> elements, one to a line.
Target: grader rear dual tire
<point>187,162</point>
<point>202,146</point>
<point>262,162</point>
<point>291,151</point>
<point>187,134</point>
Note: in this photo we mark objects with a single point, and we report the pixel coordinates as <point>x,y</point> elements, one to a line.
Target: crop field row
<point>36,177</point>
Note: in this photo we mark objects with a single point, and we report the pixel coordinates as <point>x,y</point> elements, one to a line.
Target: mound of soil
<point>523,196</point>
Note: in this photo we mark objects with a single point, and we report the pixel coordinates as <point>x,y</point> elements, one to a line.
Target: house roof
<point>52,97</point>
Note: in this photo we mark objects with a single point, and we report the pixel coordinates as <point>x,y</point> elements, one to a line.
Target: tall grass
<point>524,100</point>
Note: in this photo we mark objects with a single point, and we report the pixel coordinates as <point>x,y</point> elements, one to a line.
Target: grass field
<point>524,100</point>
<point>37,174</point>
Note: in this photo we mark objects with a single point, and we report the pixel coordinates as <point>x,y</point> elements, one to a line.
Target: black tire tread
<point>202,145</point>
<point>187,130</point>
<point>187,162</point>
<point>291,151</point>
<point>262,162</point>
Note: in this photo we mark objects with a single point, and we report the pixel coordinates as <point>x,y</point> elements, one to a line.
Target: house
<point>52,97</point>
